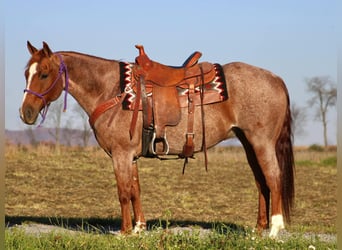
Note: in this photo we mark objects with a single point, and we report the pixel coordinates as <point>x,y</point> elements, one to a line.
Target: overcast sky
<point>293,39</point>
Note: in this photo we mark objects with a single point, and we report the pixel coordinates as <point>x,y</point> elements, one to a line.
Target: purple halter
<point>62,69</point>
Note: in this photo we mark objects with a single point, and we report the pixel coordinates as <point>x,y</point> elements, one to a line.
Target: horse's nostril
<point>27,115</point>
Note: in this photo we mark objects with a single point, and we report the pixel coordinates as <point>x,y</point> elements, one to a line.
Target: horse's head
<point>44,82</point>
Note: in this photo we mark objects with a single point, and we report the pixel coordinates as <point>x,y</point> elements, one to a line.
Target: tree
<point>67,129</point>
<point>68,132</point>
<point>31,135</point>
<point>86,131</point>
<point>54,119</point>
<point>324,95</point>
<point>299,118</point>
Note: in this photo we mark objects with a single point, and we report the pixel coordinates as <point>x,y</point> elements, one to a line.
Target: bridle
<point>62,69</point>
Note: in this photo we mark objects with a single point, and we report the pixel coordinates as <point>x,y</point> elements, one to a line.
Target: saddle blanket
<point>213,92</point>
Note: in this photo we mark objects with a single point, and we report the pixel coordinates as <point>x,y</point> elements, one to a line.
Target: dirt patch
<point>38,229</point>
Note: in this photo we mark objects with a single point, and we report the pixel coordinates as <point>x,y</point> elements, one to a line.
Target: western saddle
<point>163,109</point>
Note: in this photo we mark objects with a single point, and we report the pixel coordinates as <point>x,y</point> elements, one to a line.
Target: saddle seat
<point>164,108</point>
<point>170,76</point>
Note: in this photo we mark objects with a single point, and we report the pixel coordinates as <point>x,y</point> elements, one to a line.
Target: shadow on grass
<point>110,225</point>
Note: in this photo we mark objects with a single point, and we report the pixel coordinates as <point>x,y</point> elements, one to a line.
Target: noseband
<point>62,69</point>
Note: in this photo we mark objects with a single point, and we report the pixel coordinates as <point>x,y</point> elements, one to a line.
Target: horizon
<point>228,142</point>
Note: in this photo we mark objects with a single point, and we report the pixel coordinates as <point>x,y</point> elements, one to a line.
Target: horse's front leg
<point>124,179</point>
<point>140,223</point>
<point>127,179</point>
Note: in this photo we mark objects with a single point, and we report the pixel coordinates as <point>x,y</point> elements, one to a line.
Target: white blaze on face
<point>32,72</point>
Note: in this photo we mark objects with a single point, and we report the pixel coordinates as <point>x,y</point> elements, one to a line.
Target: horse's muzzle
<point>28,115</point>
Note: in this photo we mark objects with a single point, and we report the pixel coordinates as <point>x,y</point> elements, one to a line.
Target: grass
<point>77,187</point>
<point>159,239</point>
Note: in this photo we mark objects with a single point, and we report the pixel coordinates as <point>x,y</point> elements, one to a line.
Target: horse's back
<point>245,79</point>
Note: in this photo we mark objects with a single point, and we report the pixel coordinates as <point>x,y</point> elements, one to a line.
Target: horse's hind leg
<point>268,162</point>
<point>264,191</point>
<point>262,158</point>
<point>140,223</point>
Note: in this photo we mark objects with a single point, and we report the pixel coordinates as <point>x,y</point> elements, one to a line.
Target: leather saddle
<point>164,109</point>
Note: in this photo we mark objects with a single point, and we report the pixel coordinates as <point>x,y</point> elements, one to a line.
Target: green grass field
<point>76,189</point>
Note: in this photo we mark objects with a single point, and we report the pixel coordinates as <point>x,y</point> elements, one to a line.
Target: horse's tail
<point>285,158</point>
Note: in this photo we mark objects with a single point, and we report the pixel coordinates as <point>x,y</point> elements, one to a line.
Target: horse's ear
<point>31,48</point>
<point>47,50</point>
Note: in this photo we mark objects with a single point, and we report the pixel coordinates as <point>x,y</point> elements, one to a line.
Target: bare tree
<point>65,128</point>
<point>324,95</point>
<point>299,118</point>
<point>32,136</point>
<point>54,119</point>
<point>86,131</point>
<point>68,132</point>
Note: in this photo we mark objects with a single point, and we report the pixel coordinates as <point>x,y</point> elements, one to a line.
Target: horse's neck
<point>92,80</point>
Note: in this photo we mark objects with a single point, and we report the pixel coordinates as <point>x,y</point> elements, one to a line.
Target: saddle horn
<point>143,60</point>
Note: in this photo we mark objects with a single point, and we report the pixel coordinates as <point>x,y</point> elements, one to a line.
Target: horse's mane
<point>83,55</point>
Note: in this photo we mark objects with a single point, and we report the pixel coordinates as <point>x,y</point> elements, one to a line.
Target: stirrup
<point>157,140</point>
<point>147,135</point>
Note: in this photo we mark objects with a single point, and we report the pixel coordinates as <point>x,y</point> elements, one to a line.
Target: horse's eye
<point>43,76</point>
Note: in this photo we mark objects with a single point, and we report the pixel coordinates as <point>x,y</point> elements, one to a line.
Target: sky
<point>293,39</point>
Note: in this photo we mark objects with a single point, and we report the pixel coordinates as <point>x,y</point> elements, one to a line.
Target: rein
<point>62,69</point>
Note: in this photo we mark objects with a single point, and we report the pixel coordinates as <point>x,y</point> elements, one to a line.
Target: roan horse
<point>257,112</point>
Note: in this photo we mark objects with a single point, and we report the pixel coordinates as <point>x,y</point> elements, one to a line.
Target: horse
<point>257,112</point>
